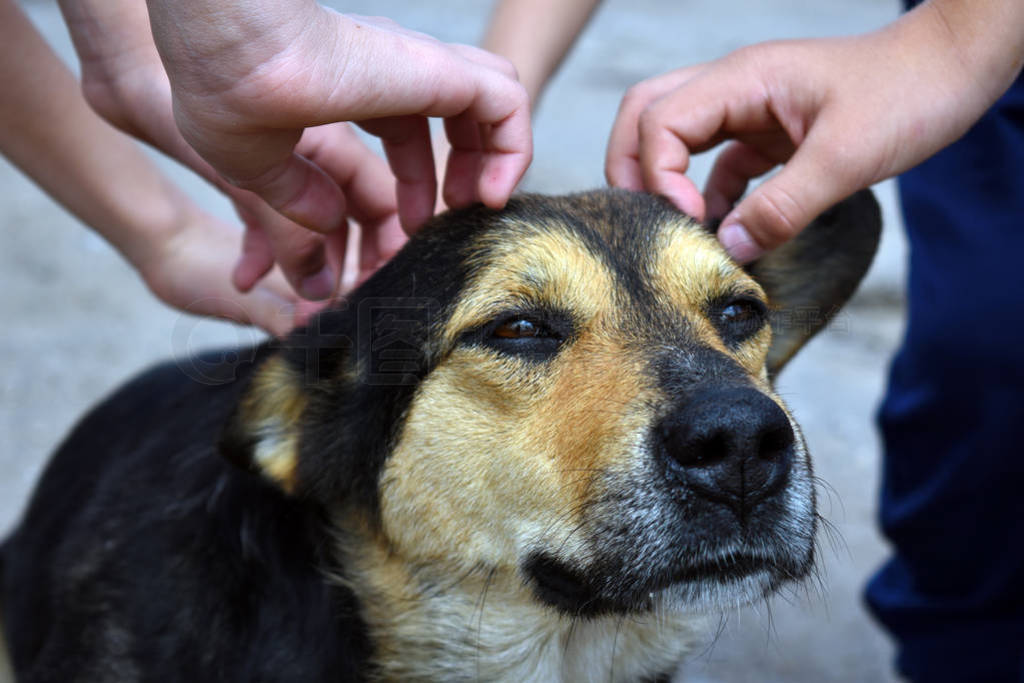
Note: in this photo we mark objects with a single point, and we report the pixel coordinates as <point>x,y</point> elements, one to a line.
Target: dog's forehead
<point>591,254</point>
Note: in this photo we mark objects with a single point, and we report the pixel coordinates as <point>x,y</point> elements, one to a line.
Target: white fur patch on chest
<point>483,631</point>
<point>612,649</point>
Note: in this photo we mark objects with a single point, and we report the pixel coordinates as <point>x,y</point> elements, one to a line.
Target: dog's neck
<point>431,624</point>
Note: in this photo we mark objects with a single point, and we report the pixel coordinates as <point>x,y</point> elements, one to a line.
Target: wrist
<point>146,217</point>
<point>977,46</point>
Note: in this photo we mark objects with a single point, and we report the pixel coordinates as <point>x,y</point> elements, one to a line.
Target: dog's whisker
<point>831,494</point>
<point>479,612</point>
<point>615,643</point>
<point>836,541</point>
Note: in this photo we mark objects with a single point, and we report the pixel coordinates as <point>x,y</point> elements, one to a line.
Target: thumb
<point>781,207</point>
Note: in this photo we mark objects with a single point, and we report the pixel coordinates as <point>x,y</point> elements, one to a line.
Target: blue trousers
<point>952,595</point>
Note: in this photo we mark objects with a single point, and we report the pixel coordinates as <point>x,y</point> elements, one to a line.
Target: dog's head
<point>574,392</point>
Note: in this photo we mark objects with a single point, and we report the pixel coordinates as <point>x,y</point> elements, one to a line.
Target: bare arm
<point>101,177</point>
<point>535,35</point>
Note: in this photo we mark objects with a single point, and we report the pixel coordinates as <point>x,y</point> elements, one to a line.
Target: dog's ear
<point>319,413</point>
<point>262,435</point>
<point>811,277</point>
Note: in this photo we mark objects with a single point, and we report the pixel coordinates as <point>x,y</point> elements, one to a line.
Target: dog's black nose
<point>731,445</point>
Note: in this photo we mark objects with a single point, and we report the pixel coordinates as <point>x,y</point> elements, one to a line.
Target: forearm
<point>970,49</point>
<point>50,133</point>
<point>988,36</point>
<point>535,35</point>
<point>117,57</point>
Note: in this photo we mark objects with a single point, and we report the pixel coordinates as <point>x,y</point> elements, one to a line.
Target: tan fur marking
<point>461,457</point>
<point>691,269</point>
<point>690,266</point>
<point>594,410</point>
<point>546,265</point>
<point>270,411</point>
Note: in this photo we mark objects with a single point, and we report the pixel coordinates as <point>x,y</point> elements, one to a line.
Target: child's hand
<point>837,114</point>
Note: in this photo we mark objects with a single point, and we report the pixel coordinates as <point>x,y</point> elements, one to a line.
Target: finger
<point>622,160</point>
<point>478,167</point>
<point>262,307</point>
<point>302,257</point>
<point>506,152</point>
<point>486,95</point>
<point>430,78</point>
<point>664,160</point>
<point>275,307</point>
<point>271,238</point>
<point>189,274</point>
<point>366,181</point>
<point>378,246</point>
<point>486,59</point>
<point>464,161</point>
<point>732,172</point>
<point>370,251</point>
<point>406,141</point>
<point>717,103</point>
<point>302,311</point>
<point>782,206</point>
<point>255,261</point>
<point>506,141</point>
<point>363,176</point>
<point>665,138</point>
<point>340,258</point>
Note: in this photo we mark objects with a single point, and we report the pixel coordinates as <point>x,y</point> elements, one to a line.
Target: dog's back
<point>71,573</point>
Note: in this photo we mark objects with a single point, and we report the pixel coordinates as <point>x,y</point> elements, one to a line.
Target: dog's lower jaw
<point>487,625</point>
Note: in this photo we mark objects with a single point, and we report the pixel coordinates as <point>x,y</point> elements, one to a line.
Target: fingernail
<point>738,242</point>
<point>318,287</point>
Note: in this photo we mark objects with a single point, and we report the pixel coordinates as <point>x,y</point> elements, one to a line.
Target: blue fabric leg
<point>953,419</point>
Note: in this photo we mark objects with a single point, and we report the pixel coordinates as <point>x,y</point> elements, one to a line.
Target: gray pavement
<point>78,321</point>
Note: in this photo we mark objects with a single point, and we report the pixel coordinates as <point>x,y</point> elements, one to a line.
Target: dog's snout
<point>733,446</point>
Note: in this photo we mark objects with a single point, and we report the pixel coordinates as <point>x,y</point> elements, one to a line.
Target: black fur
<point>142,545</point>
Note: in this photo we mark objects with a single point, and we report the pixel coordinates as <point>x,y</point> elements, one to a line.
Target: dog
<point>537,445</point>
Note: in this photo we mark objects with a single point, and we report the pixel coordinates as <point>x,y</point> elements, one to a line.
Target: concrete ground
<point>78,321</point>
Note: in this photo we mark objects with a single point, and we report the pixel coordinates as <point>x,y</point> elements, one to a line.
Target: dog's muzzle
<point>732,446</point>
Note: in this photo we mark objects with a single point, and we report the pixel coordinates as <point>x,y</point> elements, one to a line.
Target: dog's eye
<point>525,337</point>
<point>737,319</point>
<point>534,336</point>
<point>741,313</point>
<point>519,328</point>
